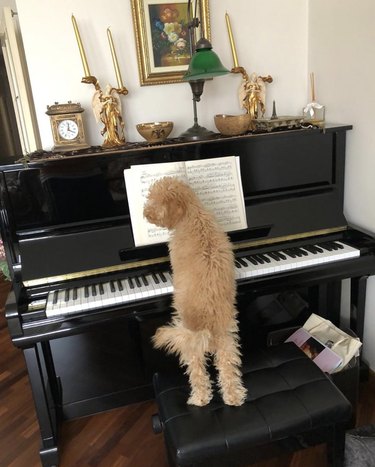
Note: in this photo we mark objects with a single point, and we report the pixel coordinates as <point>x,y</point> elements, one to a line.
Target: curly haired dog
<point>204,321</point>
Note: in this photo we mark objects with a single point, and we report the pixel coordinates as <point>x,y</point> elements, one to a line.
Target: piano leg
<point>46,394</point>
<point>358,301</point>
<point>329,301</point>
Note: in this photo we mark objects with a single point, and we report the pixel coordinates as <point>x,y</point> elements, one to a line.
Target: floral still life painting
<point>170,35</point>
<point>162,38</point>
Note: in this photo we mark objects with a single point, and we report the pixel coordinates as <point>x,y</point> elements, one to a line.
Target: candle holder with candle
<point>252,92</point>
<point>107,103</point>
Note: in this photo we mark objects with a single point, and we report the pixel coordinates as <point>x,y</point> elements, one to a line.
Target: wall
<point>341,38</point>
<point>10,3</point>
<point>271,38</point>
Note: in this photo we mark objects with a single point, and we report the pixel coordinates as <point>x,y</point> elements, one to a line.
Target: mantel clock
<point>67,126</point>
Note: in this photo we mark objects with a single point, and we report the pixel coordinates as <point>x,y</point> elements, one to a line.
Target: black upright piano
<point>85,301</point>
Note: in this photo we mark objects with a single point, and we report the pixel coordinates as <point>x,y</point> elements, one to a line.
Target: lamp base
<point>197,133</point>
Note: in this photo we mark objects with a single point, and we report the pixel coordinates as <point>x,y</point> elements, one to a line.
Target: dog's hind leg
<point>194,357</point>
<point>227,360</point>
<point>191,347</point>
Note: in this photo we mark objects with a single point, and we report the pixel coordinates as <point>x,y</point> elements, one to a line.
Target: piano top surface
<point>74,208</point>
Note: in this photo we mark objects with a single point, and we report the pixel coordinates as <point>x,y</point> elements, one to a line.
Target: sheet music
<point>218,185</point>
<point>216,181</point>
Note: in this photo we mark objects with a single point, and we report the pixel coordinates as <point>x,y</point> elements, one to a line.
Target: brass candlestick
<point>107,103</point>
<point>252,92</point>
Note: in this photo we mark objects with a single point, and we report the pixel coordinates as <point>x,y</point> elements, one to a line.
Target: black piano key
<point>339,246</point>
<point>303,252</point>
<point>137,281</point>
<point>296,252</point>
<point>101,289</point>
<point>131,283</point>
<point>311,248</point>
<point>155,278</point>
<point>112,286</point>
<point>264,258</point>
<point>93,290</point>
<point>237,264</point>
<point>120,286</point>
<point>259,259</point>
<point>75,293</point>
<point>289,253</point>
<point>144,280</point>
<point>252,260</point>
<point>242,262</point>
<point>330,246</point>
<point>55,296</point>
<point>67,295</point>
<point>162,276</point>
<point>281,255</point>
<point>326,246</point>
<point>274,256</point>
<point>87,293</point>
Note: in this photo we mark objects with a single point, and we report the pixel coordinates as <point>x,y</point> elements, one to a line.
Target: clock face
<point>68,129</point>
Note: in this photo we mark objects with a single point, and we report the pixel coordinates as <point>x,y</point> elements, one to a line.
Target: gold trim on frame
<point>147,74</point>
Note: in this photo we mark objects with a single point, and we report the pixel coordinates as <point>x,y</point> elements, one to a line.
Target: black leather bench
<point>291,404</point>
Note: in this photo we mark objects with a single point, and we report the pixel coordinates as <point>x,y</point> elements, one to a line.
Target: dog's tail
<point>183,342</point>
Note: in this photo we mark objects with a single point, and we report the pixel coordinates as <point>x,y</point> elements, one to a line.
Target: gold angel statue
<point>252,92</point>
<point>107,109</point>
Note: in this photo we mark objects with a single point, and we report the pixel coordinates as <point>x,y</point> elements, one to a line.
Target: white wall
<point>341,44</point>
<point>271,38</point>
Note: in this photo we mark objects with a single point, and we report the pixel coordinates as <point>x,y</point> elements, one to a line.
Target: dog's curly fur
<point>204,322</point>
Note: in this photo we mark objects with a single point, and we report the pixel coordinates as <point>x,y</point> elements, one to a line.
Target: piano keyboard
<point>121,291</point>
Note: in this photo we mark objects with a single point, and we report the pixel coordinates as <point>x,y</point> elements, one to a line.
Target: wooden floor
<point>120,438</point>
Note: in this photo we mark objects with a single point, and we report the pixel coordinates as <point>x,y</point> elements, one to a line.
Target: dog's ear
<point>174,212</point>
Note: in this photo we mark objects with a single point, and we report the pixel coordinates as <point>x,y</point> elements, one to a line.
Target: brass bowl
<point>232,125</point>
<point>155,132</point>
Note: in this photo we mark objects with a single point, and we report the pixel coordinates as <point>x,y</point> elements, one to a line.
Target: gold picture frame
<point>162,38</point>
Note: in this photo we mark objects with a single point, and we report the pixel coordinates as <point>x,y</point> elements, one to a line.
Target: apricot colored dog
<point>204,321</point>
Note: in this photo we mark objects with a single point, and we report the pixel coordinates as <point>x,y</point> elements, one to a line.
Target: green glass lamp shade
<point>204,64</point>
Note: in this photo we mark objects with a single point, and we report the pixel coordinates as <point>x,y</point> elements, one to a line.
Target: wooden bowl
<point>155,132</point>
<point>232,125</point>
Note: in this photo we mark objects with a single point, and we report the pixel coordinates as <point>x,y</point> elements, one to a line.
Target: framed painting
<point>162,38</point>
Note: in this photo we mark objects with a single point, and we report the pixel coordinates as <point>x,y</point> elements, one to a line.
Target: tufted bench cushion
<point>290,404</point>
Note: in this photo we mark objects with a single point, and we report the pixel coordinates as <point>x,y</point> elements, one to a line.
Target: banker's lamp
<point>204,64</point>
